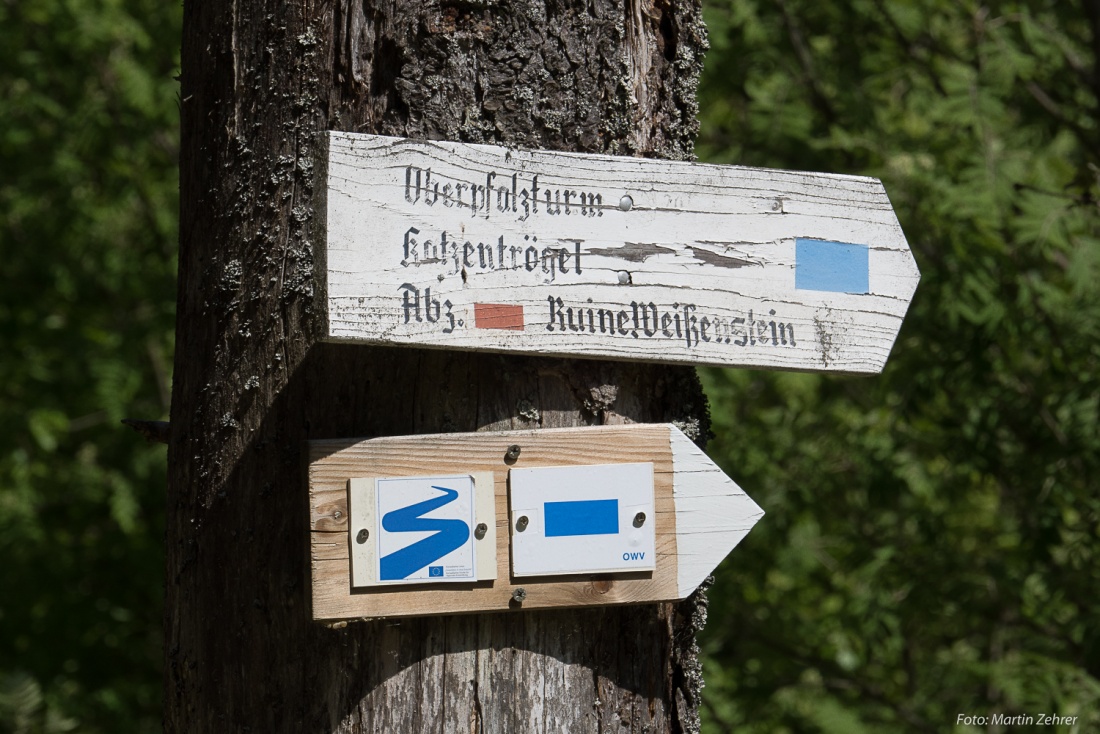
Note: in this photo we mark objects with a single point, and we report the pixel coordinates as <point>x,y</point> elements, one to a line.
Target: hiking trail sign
<point>479,247</point>
<point>474,522</point>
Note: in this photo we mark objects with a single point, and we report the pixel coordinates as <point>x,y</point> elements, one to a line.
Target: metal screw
<point>639,520</point>
<point>480,530</point>
<point>512,455</point>
<point>624,277</point>
<point>521,523</point>
<point>361,536</point>
<point>626,203</point>
<point>519,595</point>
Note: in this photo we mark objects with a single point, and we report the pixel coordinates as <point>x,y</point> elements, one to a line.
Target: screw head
<point>480,530</point>
<point>512,454</point>
<point>521,523</point>
<point>361,536</point>
<point>639,520</point>
<point>626,203</point>
<point>519,595</point>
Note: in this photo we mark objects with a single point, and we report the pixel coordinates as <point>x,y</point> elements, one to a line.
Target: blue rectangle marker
<point>820,265</point>
<point>587,517</point>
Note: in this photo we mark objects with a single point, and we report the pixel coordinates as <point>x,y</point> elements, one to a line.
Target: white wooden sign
<point>460,246</point>
<point>576,517</point>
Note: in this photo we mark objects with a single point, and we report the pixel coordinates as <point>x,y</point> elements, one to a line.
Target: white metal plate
<point>422,530</point>
<point>582,519</point>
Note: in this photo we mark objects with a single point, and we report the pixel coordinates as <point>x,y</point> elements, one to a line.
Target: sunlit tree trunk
<point>260,81</point>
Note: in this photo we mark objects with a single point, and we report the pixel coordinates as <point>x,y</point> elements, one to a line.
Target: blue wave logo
<point>449,535</point>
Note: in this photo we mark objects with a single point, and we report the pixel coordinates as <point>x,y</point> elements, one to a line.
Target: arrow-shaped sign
<point>575,517</point>
<point>460,246</point>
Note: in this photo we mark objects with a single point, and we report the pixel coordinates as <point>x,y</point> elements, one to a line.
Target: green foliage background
<point>88,209</point>
<point>930,546</point>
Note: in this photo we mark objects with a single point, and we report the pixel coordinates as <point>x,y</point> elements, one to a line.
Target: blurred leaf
<point>88,203</point>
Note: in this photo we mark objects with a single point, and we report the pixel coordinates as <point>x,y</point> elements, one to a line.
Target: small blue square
<point>831,266</point>
<point>435,572</point>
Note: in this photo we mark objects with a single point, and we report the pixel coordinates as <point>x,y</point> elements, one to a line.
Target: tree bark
<point>260,81</point>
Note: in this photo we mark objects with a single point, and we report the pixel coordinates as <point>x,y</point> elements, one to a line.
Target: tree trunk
<point>253,384</point>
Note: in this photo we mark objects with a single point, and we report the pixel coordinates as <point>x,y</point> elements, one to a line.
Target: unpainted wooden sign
<point>574,517</point>
<point>479,247</point>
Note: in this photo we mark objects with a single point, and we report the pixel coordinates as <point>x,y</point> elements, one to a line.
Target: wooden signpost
<point>478,247</point>
<point>576,517</point>
<point>458,246</point>
<point>287,240</point>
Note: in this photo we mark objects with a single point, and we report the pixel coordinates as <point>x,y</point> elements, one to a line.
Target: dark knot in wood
<point>601,586</point>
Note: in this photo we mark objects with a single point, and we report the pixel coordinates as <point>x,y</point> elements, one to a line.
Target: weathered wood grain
<point>334,462</point>
<point>260,82</point>
<point>713,514</point>
<point>483,247</point>
<point>717,516</point>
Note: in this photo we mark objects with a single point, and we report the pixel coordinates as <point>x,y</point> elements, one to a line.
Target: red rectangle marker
<point>498,316</point>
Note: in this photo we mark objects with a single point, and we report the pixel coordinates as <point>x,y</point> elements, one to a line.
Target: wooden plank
<point>713,513</point>
<point>333,463</point>
<point>461,246</point>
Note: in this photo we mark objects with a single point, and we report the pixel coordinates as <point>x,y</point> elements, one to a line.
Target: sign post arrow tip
<point>713,514</point>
